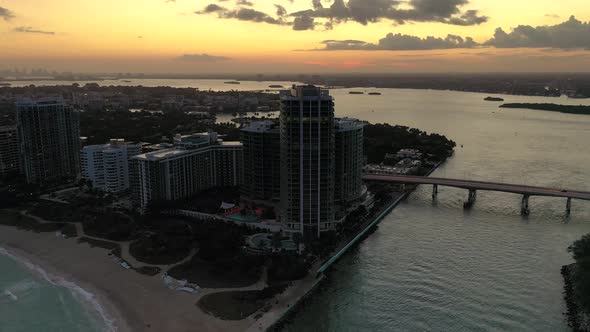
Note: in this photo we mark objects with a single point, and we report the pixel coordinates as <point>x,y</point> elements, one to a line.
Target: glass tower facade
<point>307,128</point>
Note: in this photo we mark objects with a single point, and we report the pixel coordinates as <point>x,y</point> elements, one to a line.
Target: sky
<point>289,36</point>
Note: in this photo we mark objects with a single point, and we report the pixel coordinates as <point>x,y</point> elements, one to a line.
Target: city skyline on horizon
<point>385,36</point>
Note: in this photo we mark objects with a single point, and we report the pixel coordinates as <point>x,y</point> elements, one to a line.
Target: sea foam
<point>82,295</point>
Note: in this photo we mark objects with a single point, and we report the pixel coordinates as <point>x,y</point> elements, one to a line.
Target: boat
<point>276,86</point>
<point>126,81</point>
<point>493,99</point>
<point>374,93</point>
<point>232,82</point>
<point>356,93</point>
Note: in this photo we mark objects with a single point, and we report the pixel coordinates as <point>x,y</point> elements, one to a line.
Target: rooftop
<point>305,92</point>
<point>161,154</point>
<point>344,124</point>
<point>259,126</point>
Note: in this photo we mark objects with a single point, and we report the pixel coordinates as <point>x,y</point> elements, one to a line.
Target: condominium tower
<point>107,165</point>
<point>307,130</point>
<point>8,151</point>
<point>349,161</point>
<point>48,140</point>
<point>262,161</point>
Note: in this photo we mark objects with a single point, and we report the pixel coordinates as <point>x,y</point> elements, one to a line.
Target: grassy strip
<point>15,219</point>
<point>148,270</point>
<point>237,305</point>
<point>115,248</point>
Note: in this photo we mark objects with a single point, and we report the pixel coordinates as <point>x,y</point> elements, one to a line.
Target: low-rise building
<point>107,165</point>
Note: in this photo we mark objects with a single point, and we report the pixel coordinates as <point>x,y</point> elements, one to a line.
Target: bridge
<point>474,186</point>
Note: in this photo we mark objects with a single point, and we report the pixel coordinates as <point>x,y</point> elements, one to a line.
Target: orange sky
<point>150,36</point>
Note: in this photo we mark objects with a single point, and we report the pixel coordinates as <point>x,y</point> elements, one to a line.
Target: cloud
<point>360,11</point>
<point>399,42</point>
<point>31,30</point>
<point>281,11</point>
<point>244,3</point>
<point>242,14</point>
<point>572,34</point>
<point>202,58</point>
<point>370,11</point>
<point>6,14</point>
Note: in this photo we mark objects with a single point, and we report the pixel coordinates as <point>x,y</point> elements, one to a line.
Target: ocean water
<point>32,300</point>
<point>431,266</point>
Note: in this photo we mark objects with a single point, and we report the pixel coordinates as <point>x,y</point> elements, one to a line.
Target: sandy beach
<point>135,302</point>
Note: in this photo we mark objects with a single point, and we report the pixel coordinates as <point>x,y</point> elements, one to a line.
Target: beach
<point>132,301</point>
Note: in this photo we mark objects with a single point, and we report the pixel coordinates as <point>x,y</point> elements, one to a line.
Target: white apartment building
<point>107,166</point>
<point>198,162</point>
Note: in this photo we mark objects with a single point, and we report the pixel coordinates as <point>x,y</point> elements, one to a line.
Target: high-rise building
<point>307,160</point>
<point>349,161</point>
<point>262,161</point>
<point>107,165</point>
<point>198,162</point>
<point>8,151</point>
<point>48,140</point>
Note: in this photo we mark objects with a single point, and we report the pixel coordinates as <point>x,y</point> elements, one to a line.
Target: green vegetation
<point>15,219</point>
<point>109,225</point>
<point>287,267</point>
<point>572,109</point>
<point>115,248</point>
<point>100,126</point>
<point>148,270</point>
<point>577,284</point>
<point>161,248</point>
<point>97,222</point>
<point>238,305</point>
<point>381,139</point>
<point>239,271</point>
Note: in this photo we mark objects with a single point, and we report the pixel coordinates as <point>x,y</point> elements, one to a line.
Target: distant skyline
<point>291,36</point>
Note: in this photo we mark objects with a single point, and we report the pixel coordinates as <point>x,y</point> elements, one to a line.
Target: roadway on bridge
<point>480,185</point>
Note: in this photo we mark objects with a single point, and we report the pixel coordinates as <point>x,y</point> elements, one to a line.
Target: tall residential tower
<point>307,132</point>
<point>8,151</point>
<point>48,140</point>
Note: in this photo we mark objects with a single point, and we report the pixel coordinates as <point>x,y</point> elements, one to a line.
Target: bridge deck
<point>480,185</point>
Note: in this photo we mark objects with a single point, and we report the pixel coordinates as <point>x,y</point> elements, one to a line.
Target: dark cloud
<point>363,12</point>
<point>244,3</point>
<point>303,23</point>
<point>572,34</point>
<point>6,14</point>
<point>242,14</point>
<point>31,30</point>
<point>281,11</point>
<point>211,8</point>
<point>368,11</point>
<point>201,58</point>
<point>399,42</point>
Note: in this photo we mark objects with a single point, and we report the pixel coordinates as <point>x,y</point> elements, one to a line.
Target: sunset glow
<point>152,35</point>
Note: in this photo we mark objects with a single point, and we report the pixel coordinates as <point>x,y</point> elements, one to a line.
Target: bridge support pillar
<point>434,191</point>
<point>568,207</point>
<point>524,209</point>
<point>471,199</point>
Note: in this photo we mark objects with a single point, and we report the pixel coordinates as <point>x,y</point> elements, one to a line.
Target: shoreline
<point>133,301</point>
<point>319,276</point>
<point>109,317</point>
